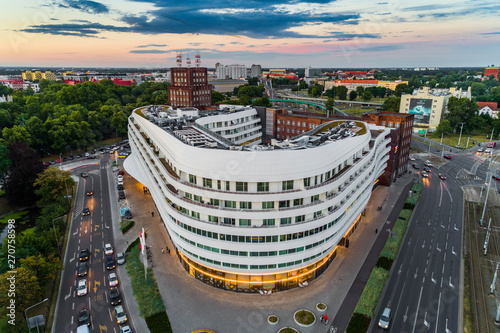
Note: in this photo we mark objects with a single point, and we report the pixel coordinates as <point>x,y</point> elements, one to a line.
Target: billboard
<point>421,108</point>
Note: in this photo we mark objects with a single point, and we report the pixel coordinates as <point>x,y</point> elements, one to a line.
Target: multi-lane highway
<point>422,291</point>
<point>92,232</point>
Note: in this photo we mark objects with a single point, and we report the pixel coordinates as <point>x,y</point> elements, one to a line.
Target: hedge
<point>159,323</point>
<point>384,262</point>
<point>126,226</point>
<point>359,323</point>
<point>373,289</point>
<point>134,243</point>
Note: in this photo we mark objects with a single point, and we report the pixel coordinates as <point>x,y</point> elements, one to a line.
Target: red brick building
<point>491,71</point>
<point>189,88</point>
<point>288,125</point>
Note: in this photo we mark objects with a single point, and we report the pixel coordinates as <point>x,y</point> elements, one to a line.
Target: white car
<point>412,158</point>
<point>82,288</point>
<point>120,258</point>
<point>120,315</point>
<point>428,163</point>
<point>108,249</point>
<point>119,177</point>
<point>487,150</point>
<point>125,329</point>
<point>120,182</point>
<point>113,280</point>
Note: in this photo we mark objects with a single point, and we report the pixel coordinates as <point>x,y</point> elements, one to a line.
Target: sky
<point>271,33</point>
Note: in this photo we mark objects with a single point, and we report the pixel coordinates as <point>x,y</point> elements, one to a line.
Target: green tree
<point>53,183</point>
<point>253,81</point>
<point>217,97</point>
<point>353,95</point>
<point>478,89</point>
<point>119,121</point>
<point>262,101</point>
<point>16,133</point>
<point>315,91</point>
<point>401,89</point>
<point>330,102</point>
<point>360,90</point>
<point>444,127</point>
<point>342,92</point>
<point>4,160</point>
<point>367,96</point>
<point>303,85</point>
<point>391,104</point>
<point>44,268</point>
<point>414,82</point>
<point>461,110</point>
<point>23,171</point>
<point>28,291</point>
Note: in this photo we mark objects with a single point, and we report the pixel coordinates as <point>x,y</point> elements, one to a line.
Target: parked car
<point>84,255</point>
<point>46,163</point>
<point>121,172</point>
<point>385,319</point>
<point>120,315</point>
<point>119,187</point>
<point>82,269</point>
<point>108,249</point>
<point>121,195</point>
<point>119,177</point>
<point>125,329</point>
<point>128,214</point>
<point>82,288</point>
<point>443,177</point>
<point>120,181</point>
<point>110,262</point>
<point>84,317</point>
<point>120,258</point>
<point>86,211</point>
<point>114,296</point>
<point>113,280</point>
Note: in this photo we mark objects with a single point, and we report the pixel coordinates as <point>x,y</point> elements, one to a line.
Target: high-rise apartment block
<point>230,71</point>
<point>189,87</point>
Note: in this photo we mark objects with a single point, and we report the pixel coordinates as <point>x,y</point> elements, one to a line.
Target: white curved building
<point>247,218</point>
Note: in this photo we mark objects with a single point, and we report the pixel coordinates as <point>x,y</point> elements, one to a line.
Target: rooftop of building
<point>181,123</point>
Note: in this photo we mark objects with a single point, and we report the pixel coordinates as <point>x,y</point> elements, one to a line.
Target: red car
<point>121,172</point>
<point>448,157</point>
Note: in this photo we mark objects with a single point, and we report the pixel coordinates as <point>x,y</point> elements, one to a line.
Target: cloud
<point>381,48</point>
<point>237,43</point>
<point>426,7</point>
<point>491,33</point>
<point>88,6</point>
<point>69,29</point>
<point>383,3</point>
<point>150,51</point>
<point>195,44</point>
<point>220,44</point>
<point>151,45</point>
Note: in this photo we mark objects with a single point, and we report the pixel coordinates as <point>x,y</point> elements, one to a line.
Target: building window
<point>188,195</point>
<point>285,220</point>
<point>245,205</point>
<point>303,124</point>
<point>192,179</point>
<point>293,123</point>
<point>268,205</point>
<point>241,186</point>
<point>228,220</point>
<point>263,187</point>
<point>230,204</point>
<point>207,182</point>
<point>213,219</point>
<point>390,124</point>
<point>245,222</point>
<point>268,222</point>
<point>383,123</point>
<point>287,185</point>
<point>219,184</point>
<point>214,202</point>
<point>228,186</point>
<point>315,198</point>
<point>284,204</point>
<point>298,202</point>
<point>397,125</point>
<point>307,182</point>
<point>317,214</point>
<point>300,218</point>
<point>197,198</point>
<point>196,215</point>
<point>279,122</point>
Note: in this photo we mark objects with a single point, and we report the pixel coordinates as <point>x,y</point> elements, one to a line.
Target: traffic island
<point>304,318</point>
<point>288,330</point>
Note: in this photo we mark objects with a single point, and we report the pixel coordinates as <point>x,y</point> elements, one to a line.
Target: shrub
<point>134,243</point>
<point>2,193</point>
<point>321,306</point>
<point>304,317</point>
<point>126,226</point>
<point>359,323</point>
<point>273,319</point>
<point>384,262</point>
<point>371,294</point>
<point>409,205</point>
<point>288,330</point>
<point>159,323</point>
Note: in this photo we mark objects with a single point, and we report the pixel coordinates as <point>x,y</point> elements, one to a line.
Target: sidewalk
<point>192,304</point>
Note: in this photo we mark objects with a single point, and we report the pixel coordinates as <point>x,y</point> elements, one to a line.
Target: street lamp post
<point>26,316</point>
<point>55,235</point>
<point>460,137</point>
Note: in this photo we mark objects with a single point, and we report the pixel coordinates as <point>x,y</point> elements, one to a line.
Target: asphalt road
<point>422,290</point>
<point>92,232</point>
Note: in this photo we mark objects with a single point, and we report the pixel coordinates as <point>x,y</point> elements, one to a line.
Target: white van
<point>83,329</point>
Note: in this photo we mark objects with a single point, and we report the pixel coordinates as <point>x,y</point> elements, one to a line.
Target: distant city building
<point>233,72</point>
<point>31,76</point>
<point>391,84</point>
<point>34,86</point>
<point>4,98</point>
<point>490,108</point>
<point>351,84</point>
<point>226,86</point>
<point>416,69</point>
<point>255,70</point>
<point>13,84</point>
<point>429,105</point>
<point>189,87</point>
<point>491,71</point>
<point>311,72</point>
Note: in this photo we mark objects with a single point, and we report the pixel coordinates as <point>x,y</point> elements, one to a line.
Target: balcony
<point>169,169</point>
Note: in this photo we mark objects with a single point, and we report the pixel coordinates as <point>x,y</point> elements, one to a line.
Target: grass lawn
<point>452,139</point>
<point>356,111</point>
<point>14,216</point>
<point>145,291</point>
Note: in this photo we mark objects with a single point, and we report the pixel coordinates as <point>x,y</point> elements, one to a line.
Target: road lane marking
<point>416,274</point>
<point>423,244</point>
<point>72,258</point>
<point>432,278</point>
<point>110,317</point>
<point>418,306</point>
<point>426,323</point>
<point>437,313</point>
<point>453,251</point>
<point>406,315</point>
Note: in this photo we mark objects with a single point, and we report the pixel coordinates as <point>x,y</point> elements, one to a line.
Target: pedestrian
<point>325,318</point>
<point>321,318</point>
<point>152,214</point>
<point>162,250</point>
<point>376,230</point>
<point>168,250</point>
